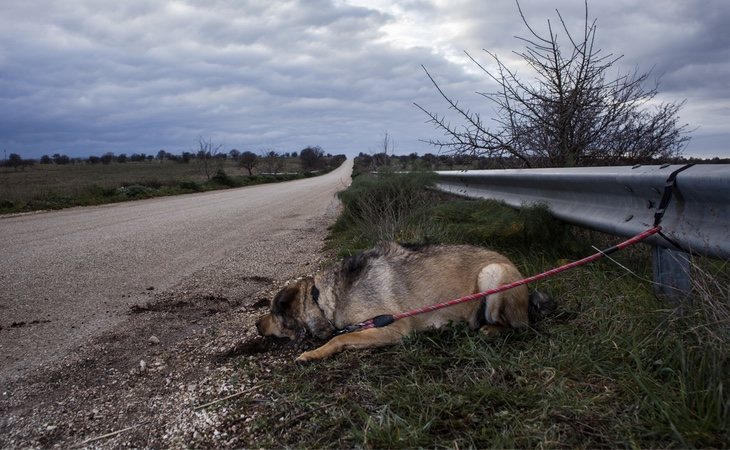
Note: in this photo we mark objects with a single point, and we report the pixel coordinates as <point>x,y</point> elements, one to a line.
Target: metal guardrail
<point>622,201</point>
<point>616,200</point>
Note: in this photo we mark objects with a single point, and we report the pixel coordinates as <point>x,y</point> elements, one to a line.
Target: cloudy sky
<point>86,77</point>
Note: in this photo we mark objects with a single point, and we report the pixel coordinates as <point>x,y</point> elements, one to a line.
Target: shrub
<point>96,190</point>
<point>493,224</point>
<point>6,205</point>
<point>153,183</point>
<point>403,208</point>
<point>223,179</point>
<point>190,186</point>
<point>380,208</point>
<point>135,191</point>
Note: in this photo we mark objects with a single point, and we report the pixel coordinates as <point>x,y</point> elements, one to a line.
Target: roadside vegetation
<point>613,367</point>
<point>60,182</point>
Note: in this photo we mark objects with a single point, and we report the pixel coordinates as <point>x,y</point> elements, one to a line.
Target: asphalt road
<point>69,275</point>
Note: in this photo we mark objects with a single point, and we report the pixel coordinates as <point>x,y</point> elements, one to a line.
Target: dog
<point>392,278</point>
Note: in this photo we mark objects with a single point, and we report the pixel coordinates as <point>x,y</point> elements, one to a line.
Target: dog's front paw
<point>306,357</point>
<point>314,355</point>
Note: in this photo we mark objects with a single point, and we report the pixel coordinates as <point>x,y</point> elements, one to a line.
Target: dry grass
<point>19,185</point>
<point>51,186</point>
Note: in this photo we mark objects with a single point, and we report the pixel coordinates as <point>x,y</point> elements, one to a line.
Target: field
<point>51,186</point>
<point>614,367</point>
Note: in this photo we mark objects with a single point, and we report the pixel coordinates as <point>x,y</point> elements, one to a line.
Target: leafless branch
<point>571,113</point>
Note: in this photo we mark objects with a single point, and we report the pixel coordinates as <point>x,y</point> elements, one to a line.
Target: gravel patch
<point>156,379</point>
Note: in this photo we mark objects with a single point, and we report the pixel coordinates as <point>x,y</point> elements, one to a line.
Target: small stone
<point>142,365</point>
<point>154,340</point>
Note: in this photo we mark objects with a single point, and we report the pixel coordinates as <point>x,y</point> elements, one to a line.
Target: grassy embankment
<point>50,186</point>
<point>613,368</point>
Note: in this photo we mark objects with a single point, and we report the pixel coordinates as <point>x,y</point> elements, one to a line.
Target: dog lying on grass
<point>390,279</point>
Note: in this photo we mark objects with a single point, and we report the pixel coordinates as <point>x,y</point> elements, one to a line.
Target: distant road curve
<point>66,276</point>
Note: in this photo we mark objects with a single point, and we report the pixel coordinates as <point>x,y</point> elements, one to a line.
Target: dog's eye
<point>315,294</point>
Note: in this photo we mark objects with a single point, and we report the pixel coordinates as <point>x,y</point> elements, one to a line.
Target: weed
<point>190,186</point>
<point>223,179</point>
<point>135,191</point>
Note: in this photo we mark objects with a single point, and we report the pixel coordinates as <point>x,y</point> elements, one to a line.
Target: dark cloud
<point>85,77</point>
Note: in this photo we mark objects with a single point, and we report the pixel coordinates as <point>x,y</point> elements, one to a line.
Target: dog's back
<point>392,278</point>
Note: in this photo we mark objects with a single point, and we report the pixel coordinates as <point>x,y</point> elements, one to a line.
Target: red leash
<point>387,319</point>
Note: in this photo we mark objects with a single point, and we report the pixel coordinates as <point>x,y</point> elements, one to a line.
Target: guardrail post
<point>671,275</point>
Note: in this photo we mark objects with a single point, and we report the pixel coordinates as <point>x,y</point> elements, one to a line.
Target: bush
<point>100,191</point>
<point>153,183</point>
<point>191,186</point>
<point>381,208</point>
<point>135,191</point>
<point>403,208</point>
<point>6,205</point>
<point>493,224</point>
<point>223,179</point>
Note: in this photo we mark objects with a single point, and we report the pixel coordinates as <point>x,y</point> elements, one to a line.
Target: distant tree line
<point>16,162</point>
<point>312,158</point>
<point>367,162</point>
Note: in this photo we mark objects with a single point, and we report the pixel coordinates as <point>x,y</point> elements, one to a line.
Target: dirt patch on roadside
<point>146,378</point>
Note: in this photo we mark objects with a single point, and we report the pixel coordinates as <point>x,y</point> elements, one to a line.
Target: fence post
<point>672,275</point>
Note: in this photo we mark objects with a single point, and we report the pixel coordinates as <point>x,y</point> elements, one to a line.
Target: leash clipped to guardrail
<point>387,319</point>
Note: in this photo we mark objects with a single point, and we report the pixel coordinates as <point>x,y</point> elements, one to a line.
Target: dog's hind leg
<point>372,337</point>
<point>506,309</point>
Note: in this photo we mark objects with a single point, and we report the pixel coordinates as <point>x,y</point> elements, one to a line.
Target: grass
<point>613,368</point>
<point>50,186</point>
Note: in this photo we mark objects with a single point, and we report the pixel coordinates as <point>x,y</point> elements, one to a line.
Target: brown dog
<point>391,279</point>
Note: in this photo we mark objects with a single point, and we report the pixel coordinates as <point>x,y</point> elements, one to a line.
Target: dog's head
<point>295,312</point>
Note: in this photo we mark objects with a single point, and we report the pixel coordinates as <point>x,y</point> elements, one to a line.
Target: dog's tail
<point>540,305</point>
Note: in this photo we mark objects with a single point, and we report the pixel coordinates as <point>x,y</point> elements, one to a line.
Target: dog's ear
<point>283,300</point>
<point>353,265</point>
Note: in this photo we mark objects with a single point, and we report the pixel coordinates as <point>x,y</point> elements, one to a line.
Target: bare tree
<point>273,162</point>
<point>381,156</point>
<point>572,113</point>
<point>248,160</point>
<point>206,155</point>
<point>311,157</point>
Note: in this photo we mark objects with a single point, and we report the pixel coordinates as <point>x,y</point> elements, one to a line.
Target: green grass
<point>50,186</point>
<point>614,367</point>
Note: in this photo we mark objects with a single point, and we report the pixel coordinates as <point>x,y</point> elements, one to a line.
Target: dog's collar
<point>377,322</point>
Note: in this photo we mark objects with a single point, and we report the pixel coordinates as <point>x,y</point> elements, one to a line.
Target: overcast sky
<point>87,77</point>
